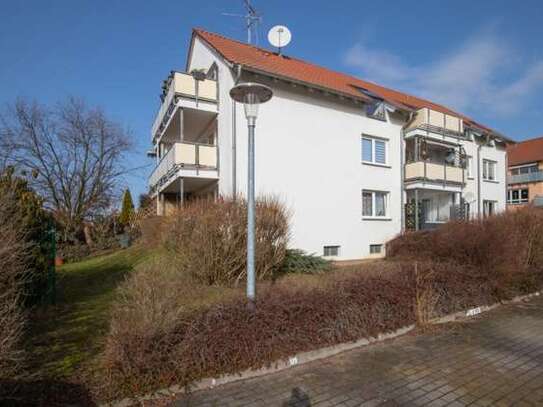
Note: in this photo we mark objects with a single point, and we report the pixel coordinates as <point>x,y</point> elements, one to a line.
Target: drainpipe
<point>479,180</point>
<point>234,137</point>
<point>402,170</point>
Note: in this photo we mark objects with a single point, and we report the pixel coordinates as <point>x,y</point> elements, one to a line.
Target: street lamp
<point>251,95</point>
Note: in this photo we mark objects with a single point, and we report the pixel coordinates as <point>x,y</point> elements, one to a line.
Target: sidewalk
<point>493,359</point>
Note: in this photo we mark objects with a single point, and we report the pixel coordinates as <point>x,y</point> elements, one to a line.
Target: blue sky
<point>483,58</point>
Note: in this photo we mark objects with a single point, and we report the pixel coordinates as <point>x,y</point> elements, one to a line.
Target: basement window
<point>330,251</point>
<point>376,248</point>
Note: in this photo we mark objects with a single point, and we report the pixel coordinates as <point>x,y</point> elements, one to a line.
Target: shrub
<point>154,341</point>
<point>13,275</point>
<point>34,224</point>
<point>209,239</point>
<point>297,261</point>
<point>503,252</point>
<point>73,252</point>
<point>158,338</point>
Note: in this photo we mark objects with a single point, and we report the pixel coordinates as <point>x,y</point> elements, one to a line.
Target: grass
<point>66,337</point>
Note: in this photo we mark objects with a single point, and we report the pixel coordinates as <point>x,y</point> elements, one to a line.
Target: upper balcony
<point>430,161</point>
<point>184,159</point>
<point>536,176</point>
<point>431,121</point>
<point>184,90</point>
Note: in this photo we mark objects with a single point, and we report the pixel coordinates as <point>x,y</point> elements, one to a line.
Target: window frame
<point>331,247</point>
<point>373,140</point>
<point>376,245</point>
<point>486,203</point>
<point>519,200</point>
<point>373,215</point>
<point>469,167</point>
<point>487,165</point>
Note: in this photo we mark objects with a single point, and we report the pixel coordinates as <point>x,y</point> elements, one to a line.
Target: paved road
<point>493,359</point>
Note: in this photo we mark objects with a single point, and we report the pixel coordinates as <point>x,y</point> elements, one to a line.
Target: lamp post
<point>251,95</point>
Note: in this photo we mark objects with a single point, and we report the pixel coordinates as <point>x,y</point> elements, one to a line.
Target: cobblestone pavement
<point>493,359</point>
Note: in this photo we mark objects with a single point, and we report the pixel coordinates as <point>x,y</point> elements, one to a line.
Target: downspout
<point>234,137</point>
<point>479,180</point>
<point>402,170</point>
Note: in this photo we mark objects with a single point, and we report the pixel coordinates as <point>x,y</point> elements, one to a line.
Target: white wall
<point>308,153</point>
<point>204,57</point>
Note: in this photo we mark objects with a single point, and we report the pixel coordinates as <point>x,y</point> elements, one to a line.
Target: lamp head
<point>251,95</point>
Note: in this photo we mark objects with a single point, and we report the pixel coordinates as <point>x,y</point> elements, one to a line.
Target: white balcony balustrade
<point>190,156</point>
<point>436,122</point>
<point>184,90</point>
<point>424,170</point>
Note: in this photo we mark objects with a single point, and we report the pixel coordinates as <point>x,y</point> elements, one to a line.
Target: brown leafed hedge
<point>209,238</point>
<point>429,274</point>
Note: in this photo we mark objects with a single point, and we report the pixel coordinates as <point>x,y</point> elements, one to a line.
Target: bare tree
<point>74,154</point>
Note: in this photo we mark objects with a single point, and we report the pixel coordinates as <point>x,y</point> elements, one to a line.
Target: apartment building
<point>525,174</point>
<point>355,162</point>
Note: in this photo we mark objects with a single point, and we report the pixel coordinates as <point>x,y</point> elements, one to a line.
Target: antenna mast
<point>252,20</point>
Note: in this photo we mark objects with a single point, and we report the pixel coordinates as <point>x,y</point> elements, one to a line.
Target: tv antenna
<point>252,20</point>
<point>279,37</point>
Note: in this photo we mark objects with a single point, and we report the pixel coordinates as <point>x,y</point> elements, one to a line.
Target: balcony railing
<point>437,122</point>
<point>424,170</point>
<point>525,178</point>
<point>185,86</point>
<point>183,155</point>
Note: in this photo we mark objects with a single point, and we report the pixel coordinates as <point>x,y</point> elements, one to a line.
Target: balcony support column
<point>416,209</point>
<point>181,132</point>
<point>181,191</point>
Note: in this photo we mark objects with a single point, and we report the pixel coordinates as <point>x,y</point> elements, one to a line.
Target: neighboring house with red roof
<point>525,180</point>
<point>355,162</point>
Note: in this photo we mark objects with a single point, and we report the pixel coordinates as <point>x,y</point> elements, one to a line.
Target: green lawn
<point>68,335</point>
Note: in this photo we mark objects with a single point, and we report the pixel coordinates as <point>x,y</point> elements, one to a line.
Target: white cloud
<point>484,75</point>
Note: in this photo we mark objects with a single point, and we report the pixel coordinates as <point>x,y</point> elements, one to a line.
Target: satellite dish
<point>279,37</point>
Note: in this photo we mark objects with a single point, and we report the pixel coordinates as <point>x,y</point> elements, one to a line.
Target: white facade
<point>309,154</point>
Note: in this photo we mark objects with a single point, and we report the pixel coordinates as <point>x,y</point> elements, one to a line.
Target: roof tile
<point>288,67</point>
<point>528,151</point>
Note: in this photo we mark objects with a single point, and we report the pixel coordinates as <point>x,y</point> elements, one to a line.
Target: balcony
<point>433,172</point>
<point>536,176</point>
<point>185,160</point>
<point>428,120</point>
<point>184,90</point>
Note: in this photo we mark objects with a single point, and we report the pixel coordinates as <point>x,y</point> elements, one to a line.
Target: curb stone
<point>310,356</point>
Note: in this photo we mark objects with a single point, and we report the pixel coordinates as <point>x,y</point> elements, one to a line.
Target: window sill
<point>376,164</point>
<point>470,177</point>
<point>491,181</point>
<point>376,218</point>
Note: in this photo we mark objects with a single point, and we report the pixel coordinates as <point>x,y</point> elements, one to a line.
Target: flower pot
<point>59,261</point>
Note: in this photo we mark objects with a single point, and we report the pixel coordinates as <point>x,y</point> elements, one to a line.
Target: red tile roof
<point>528,151</point>
<point>265,61</point>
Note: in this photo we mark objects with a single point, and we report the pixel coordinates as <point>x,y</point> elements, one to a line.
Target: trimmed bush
<point>297,261</point>
<point>13,276</point>
<point>168,329</point>
<point>163,344</point>
<point>502,255</point>
<point>208,239</point>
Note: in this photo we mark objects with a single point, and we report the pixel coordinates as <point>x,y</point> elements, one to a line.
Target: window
<point>528,169</point>
<point>330,251</point>
<point>374,204</point>
<point>489,170</point>
<point>374,150</point>
<point>437,209</point>
<point>376,248</point>
<point>469,166</point>
<point>489,208</point>
<point>517,196</point>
